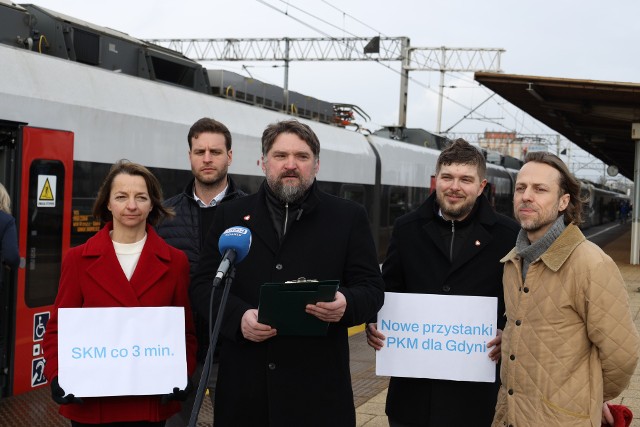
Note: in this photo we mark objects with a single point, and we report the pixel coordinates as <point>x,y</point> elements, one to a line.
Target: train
<point>75,98</point>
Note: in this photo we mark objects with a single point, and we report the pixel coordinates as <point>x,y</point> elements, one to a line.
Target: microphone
<point>234,246</point>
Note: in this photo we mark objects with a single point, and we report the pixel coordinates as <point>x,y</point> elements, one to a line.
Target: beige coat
<point>569,342</point>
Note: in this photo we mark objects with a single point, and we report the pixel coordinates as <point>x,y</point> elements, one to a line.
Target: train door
<point>39,170</point>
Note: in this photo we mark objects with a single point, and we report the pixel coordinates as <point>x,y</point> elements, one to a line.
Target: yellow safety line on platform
<point>356,329</point>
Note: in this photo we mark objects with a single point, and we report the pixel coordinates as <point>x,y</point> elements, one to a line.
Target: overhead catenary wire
<point>518,117</point>
<point>455,75</point>
<point>286,13</point>
<point>314,17</point>
<point>354,18</point>
<point>293,17</point>
<point>518,122</point>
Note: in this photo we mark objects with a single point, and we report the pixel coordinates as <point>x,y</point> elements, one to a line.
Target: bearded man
<point>450,245</point>
<point>570,343</point>
<point>266,379</point>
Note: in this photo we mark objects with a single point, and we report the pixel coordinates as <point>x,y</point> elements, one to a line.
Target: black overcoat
<point>418,262</point>
<point>291,381</point>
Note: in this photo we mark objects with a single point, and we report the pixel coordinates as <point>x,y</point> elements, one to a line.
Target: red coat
<point>92,277</point>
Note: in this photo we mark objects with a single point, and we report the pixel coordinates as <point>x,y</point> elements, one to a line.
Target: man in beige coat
<point>569,343</point>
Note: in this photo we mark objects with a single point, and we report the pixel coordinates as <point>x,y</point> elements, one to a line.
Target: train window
<point>170,70</point>
<point>398,203</point>
<point>353,192</point>
<point>44,231</point>
<point>416,197</point>
<point>8,138</point>
<point>490,192</point>
<point>86,46</point>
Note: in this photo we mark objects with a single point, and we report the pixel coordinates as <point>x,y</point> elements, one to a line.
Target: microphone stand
<point>204,378</point>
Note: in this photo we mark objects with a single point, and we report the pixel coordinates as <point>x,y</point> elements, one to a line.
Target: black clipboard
<point>282,306</point>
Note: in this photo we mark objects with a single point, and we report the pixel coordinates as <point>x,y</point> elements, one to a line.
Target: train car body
<point>64,124</point>
<point>403,181</point>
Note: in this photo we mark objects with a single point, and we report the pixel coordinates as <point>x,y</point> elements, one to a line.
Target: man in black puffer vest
<point>210,157</point>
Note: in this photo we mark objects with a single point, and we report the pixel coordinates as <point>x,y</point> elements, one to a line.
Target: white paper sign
<point>437,336</point>
<point>120,351</point>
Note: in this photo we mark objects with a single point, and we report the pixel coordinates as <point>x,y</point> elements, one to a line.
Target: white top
<point>128,255</point>
<point>216,200</point>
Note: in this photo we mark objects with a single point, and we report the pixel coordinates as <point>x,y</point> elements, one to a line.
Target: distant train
<point>603,205</point>
<point>65,120</point>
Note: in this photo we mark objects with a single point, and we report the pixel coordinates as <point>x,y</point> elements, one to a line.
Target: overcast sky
<point>588,39</point>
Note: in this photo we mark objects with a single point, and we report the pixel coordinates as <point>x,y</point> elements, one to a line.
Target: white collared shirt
<point>213,202</point>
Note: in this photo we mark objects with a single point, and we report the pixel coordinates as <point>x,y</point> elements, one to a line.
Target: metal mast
<point>450,59</point>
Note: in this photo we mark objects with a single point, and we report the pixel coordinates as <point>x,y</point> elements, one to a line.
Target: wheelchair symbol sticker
<point>37,372</point>
<point>39,322</point>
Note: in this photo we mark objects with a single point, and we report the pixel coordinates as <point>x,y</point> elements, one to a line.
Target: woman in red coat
<point>126,264</point>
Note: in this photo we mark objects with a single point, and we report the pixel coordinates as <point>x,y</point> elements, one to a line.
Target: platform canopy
<point>595,115</point>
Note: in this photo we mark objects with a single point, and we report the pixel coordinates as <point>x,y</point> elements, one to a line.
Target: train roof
<point>84,24</point>
<point>404,164</point>
<point>52,33</point>
<point>415,136</point>
<point>116,116</point>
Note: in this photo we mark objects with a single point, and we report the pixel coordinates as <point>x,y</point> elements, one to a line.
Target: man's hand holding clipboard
<point>301,307</point>
<point>329,311</point>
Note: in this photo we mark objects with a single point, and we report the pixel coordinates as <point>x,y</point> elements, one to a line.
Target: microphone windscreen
<point>236,238</point>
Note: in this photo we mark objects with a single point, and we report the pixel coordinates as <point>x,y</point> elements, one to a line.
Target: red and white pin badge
<point>247,217</point>
<point>477,242</point>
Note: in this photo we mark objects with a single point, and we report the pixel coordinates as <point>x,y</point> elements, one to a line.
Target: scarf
<point>531,252</point>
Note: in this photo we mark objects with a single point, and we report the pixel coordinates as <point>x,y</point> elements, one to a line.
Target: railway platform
<point>37,409</point>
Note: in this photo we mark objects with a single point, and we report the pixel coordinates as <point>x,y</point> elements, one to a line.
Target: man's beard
<point>535,224</point>
<point>213,181</point>
<point>288,193</point>
<point>457,212</point>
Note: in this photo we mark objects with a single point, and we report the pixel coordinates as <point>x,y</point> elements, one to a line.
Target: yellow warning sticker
<point>47,191</point>
<point>46,194</point>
